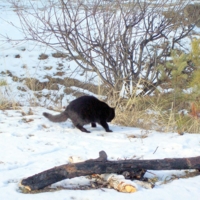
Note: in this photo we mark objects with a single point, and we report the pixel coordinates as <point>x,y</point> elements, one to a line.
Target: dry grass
<point>35,85</point>
<point>160,112</point>
<point>152,113</point>
<point>59,55</point>
<point>6,103</point>
<point>43,56</point>
<point>3,82</point>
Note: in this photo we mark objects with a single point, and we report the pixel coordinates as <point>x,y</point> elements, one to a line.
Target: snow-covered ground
<point>31,144</point>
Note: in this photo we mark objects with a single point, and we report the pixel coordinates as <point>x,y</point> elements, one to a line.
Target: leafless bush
<point>123,42</point>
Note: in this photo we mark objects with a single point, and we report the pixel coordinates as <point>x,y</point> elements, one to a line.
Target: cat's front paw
<point>109,130</point>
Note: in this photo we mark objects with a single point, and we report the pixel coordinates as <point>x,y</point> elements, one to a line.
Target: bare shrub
<point>120,42</point>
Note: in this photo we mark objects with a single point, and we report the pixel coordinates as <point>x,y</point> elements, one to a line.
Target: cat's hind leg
<point>82,128</point>
<point>93,124</point>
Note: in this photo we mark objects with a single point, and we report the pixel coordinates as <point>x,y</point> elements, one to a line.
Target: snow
<point>31,144</point>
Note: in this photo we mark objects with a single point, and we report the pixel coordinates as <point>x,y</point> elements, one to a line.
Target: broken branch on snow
<point>101,166</point>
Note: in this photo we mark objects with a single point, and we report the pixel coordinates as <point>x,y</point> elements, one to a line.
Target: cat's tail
<point>56,118</point>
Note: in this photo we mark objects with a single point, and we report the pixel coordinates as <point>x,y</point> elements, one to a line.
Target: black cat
<point>85,110</point>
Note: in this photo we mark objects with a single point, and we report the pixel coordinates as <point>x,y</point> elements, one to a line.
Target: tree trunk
<point>101,166</point>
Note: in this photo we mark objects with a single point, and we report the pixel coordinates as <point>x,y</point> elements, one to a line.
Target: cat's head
<point>111,115</point>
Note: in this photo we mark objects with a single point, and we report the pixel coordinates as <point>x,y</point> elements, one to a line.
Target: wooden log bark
<point>101,166</point>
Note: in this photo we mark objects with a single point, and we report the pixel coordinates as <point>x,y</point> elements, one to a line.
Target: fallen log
<point>115,181</point>
<point>101,166</point>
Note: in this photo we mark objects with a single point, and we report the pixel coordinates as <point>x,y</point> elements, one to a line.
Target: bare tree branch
<point>121,42</point>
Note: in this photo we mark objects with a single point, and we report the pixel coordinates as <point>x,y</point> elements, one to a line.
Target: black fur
<point>85,110</point>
